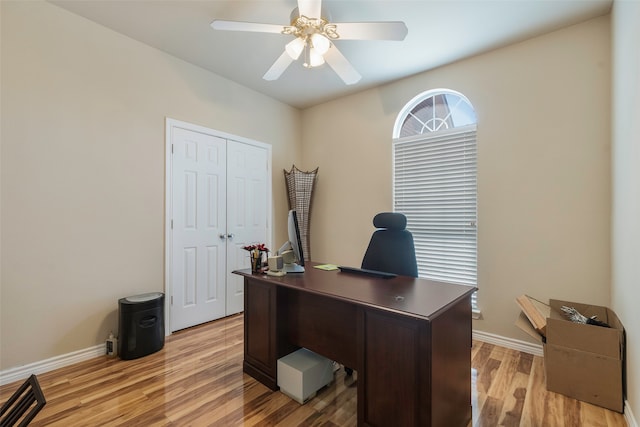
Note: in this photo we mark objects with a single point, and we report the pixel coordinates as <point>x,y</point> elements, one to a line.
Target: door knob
<point>222,236</point>
<point>230,235</point>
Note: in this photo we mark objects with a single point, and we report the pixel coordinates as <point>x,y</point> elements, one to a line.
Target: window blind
<point>435,186</point>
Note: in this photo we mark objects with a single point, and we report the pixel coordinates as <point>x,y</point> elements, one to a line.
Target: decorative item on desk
<point>256,254</point>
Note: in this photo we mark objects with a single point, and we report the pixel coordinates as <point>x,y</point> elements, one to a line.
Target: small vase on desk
<point>256,257</point>
<point>256,261</point>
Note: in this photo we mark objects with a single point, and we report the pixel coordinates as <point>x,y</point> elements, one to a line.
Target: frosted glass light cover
<point>315,58</point>
<point>320,43</point>
<point>295,47</point>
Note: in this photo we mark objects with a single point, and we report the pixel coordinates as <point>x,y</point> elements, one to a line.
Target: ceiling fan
<point>314,36</point>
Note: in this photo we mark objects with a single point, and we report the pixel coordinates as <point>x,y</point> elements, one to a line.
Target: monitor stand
<point>293,268</point>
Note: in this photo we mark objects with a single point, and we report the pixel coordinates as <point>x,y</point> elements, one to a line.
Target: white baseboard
<point>628,415</point>
<point>526,347</point>
<point>21,372</point>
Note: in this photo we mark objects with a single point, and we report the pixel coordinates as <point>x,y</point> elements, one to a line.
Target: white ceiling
<point>440,32</point>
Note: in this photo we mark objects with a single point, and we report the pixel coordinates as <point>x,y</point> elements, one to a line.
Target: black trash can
<point>141,325</point>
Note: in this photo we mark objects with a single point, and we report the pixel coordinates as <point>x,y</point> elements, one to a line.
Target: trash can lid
<point>144,297</point>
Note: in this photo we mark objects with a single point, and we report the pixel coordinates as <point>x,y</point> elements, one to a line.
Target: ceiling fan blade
<point>219,24</point>
<point>278,67</point>
<point>310,8</point>
<point>341,66</point>
<point>392,30</point>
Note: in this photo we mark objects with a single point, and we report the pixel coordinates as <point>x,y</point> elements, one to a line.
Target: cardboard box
<point>585,362</point>
<point>533,317</point>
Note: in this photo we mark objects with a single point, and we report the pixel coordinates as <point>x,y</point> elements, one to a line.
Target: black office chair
<point>23,405</point>
<point>390,249</point>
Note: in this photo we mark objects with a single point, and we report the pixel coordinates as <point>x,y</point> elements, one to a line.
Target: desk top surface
<point>407,295</point>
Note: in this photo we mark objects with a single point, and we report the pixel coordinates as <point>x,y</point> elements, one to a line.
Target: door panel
<point>247,202</point>
<point>199,217</point>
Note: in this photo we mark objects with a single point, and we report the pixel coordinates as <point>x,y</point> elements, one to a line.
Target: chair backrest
<point>391,247</point>
<point>23,405</point>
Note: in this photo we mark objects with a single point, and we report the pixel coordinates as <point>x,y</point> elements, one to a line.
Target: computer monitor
<point>295,244</point>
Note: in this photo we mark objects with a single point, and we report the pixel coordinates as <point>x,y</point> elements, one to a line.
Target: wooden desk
<point>408,339</point>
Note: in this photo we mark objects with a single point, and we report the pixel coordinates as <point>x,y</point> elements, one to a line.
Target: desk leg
<point>415,372</point>
<point>265,330</point>
<point>451,365</point>
<point>260,358</point>
<point>391,374</point>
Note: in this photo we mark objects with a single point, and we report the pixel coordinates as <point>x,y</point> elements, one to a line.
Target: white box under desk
<point>302,373</point>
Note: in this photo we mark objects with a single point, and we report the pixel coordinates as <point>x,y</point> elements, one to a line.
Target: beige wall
<point>83,120</point>
<point>625,290</point>
<point>543,168</point>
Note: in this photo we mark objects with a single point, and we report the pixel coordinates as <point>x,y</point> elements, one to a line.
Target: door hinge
<point>171,299</point>
<point>172,224</point>
<point>171,148</point>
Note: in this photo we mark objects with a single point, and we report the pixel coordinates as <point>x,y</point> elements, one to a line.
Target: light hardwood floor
<point>197,380</point>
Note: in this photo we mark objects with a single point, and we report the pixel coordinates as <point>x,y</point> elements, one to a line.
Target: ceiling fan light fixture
<point>314,34</point>
<point>312,58</point>
<point>320,43</point>
<point>295,47</point>
<point>315,58</point>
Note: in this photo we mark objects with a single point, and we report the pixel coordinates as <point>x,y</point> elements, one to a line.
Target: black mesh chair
<point>23,405</point>
<point>391,247</point>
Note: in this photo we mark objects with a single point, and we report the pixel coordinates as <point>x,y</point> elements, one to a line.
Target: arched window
<point>434,183</point>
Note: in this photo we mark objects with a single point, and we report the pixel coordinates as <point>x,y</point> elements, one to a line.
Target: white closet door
<point>248,195</point>
<point>199,220</point>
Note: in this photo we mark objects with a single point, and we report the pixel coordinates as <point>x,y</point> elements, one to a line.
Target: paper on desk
<point>327,267</point>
